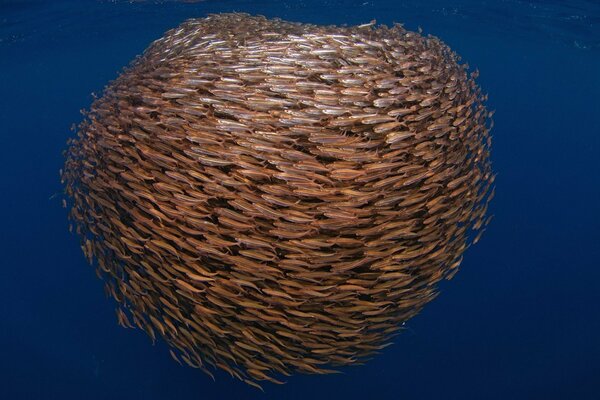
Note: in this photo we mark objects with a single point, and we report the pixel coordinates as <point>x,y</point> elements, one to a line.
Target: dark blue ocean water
<point>521,320</point>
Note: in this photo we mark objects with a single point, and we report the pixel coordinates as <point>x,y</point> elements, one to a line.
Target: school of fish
<point>271,197</point>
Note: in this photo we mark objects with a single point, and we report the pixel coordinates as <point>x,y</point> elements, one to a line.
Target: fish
<point>271,198</point>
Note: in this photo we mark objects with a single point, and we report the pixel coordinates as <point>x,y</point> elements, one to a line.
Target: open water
<point>521,319</point>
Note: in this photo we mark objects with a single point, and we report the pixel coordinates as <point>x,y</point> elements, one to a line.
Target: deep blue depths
<point>521,320</point>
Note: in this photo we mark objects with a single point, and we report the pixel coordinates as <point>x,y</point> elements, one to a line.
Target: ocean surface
<point>521,319</point>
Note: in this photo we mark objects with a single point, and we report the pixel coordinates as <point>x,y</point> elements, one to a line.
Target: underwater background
<point>521,319</point>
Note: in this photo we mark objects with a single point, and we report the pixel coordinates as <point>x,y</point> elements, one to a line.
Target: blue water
<point>521,320</point>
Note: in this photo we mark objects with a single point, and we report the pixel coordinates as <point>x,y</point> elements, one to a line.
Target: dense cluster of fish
<point>273,197</point>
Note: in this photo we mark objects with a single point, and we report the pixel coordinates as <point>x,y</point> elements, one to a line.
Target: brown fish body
<point>273,197</point>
